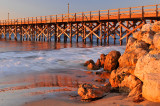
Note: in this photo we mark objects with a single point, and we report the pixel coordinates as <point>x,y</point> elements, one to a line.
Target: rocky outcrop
<point>156,40</point>
<point>137,71</point>
<point>134,50</point>
<point>111,61</point>
<point>148,71</point>
<point>92,92</point>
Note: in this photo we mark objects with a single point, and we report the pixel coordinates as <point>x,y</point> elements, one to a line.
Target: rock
<point>123,78</point>
<point>136,92</point>
<point>127,70</point>
<point>111,61</point>
<point>105,75</point>
<point>102,56</point>
<point>98,63</point>
<point>137,44</point>
<point>148,37</point>
<point>88,62</point>
<point>131,40</point>
<point>91,92</point>
<point>114,79</point>
<point>151,87</point>
<point>147,64</point>
<point>156,40</point>
<point>100,80</point>
<point>130,58</point>
<point>134,50</point>
<point>138,35</point>
<point>148,71</point>
<point>154,51</point>
<point>92,66</point>
<point>117,76</point>
<point>102,59</point>
<point>89,72</point>
<point>147,27</point>
<point>138,99</point>
<point>151,47</point>
<point>156,26</point>
<point>130,81</point>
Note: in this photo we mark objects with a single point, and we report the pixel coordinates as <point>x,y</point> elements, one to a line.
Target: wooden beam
<point>132,31</point>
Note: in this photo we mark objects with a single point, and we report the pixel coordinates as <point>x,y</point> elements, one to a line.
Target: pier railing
<point>111,14</point>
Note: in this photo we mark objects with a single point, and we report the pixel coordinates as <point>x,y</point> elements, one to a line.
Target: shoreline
<point>111,99</point>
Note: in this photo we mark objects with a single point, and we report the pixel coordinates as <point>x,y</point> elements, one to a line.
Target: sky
<point>32,8</point>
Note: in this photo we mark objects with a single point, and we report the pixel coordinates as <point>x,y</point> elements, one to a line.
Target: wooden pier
<point>103,24</point>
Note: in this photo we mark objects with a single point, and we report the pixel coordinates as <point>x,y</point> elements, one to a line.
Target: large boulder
<point>111,61</point>
<point>151,87</point>
<point>156,40</point>
<point>148,71</point>
<point>91,92</point>
<point>147,64</point>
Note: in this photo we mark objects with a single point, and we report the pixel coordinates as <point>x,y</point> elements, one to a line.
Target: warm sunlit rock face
<point>111,61</point>
<point>134,50</point>
<point>90,92</point>
<point>151,87</point>
<point>148,65</point>
<point>137,71</point>
<point>139,66</point>
<point>148,70</point>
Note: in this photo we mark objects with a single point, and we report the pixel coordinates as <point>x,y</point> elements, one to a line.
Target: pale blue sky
<point>29,8</point>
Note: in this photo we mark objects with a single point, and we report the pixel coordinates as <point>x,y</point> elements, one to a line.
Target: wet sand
<point>56,88</point>
<point>111,99</point>
<point>26,87</point>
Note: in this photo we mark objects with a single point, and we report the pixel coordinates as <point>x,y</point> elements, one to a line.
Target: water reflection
<point>32,46</point>
<point>42,80</point>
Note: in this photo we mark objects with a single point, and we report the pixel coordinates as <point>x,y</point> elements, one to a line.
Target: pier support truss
<point>102,31</point>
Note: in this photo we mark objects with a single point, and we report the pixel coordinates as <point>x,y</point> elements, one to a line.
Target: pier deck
<point>116,23</point>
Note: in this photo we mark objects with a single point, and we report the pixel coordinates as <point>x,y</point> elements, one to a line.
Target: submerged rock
<point>111,61</point>
<point>92,66</point>
<point>88,62</point>
<point>91,92</point>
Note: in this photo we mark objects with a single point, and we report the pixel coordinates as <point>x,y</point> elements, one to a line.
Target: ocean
<point>36,70</point>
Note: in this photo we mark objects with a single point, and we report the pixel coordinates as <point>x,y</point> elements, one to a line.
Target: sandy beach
<point>111,99</point>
